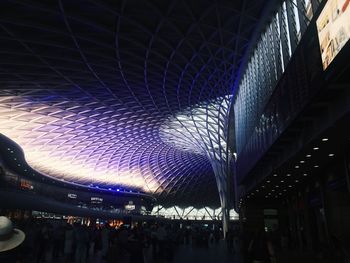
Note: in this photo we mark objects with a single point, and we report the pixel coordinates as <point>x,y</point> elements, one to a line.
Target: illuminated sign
<point>96,200</point>
<point>333,26</point>
<point>72,196</point>
<point>26,185</point>
<point>130,207</point>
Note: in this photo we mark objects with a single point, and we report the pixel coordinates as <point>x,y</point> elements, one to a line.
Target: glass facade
<point>266,65</point>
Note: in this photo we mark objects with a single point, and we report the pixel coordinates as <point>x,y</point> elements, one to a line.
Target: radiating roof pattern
<point>98,92</point>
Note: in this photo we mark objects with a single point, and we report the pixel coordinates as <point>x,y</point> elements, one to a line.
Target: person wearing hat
<point>10,238</point>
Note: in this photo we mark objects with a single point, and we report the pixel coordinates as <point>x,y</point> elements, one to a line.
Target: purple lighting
<point>106,117</point>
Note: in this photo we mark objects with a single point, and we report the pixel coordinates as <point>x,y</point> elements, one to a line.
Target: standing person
<point>237,241</point>
<point>68,242</point>
<point>105,239</point>
<point>92,240</point>
<point>161,237</point>
<point>58,239</point>
<point>229,240</point>
<point>82,239</point>
<point>136,244</point>
<point>10,239</point>
<point>154,241</point>
<point>43,243</point>
<point>261,249</point>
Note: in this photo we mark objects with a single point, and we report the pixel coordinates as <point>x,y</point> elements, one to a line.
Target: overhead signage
<point>72,196</point>
<point>130,207</point>
<point>96,200</point>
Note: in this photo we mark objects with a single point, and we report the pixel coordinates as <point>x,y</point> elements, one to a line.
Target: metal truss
<point>266,65</point>
<point>132,93</point>
<point>192,213</point>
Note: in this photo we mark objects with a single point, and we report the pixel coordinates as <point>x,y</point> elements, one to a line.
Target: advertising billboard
<point>333,26</point>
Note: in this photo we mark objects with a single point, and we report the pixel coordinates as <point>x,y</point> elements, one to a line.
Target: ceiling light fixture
<point>308,155</point>
<point>331,154</point>
<point>325,139</point>
<point>316,148</point>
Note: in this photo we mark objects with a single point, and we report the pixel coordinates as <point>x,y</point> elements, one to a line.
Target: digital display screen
<point>333,26</point>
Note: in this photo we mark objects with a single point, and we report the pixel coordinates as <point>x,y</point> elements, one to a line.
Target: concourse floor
<point>217,253</point>
<point>189,254</point>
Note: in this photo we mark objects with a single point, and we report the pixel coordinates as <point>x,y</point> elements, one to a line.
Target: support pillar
<point>225,220</point>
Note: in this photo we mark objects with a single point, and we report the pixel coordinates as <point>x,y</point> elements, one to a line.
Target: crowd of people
<point>51,241</point>
<point>58,241</point>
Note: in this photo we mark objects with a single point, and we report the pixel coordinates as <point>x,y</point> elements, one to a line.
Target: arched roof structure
<point>130,92</point>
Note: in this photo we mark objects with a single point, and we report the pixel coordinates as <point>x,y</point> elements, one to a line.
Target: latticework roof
<point>131,92</point>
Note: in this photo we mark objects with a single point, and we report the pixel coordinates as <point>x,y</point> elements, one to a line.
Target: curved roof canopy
<point>131,93</point>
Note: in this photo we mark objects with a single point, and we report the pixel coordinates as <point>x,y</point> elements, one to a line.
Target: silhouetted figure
<point>82,239</point>
<point>260,248</point>
<point>68,242</point>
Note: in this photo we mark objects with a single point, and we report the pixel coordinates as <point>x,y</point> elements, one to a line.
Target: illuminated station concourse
<point>174,131</point>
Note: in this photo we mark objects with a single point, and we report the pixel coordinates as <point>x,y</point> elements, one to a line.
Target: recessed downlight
<point>316,148</point>
<point>325,139</point>
<point>308,155</point>
<point>331,154</point>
